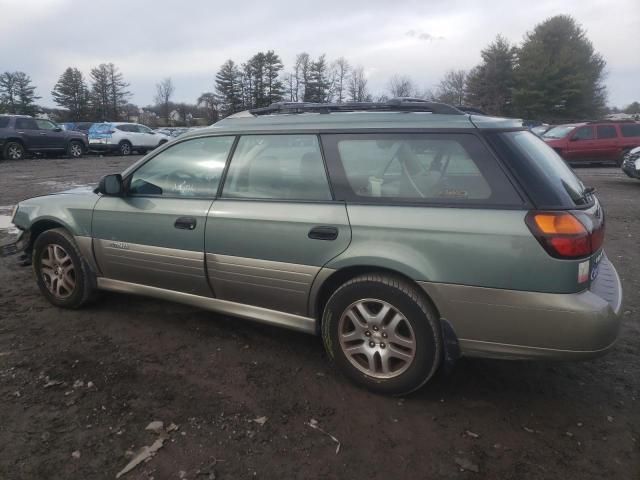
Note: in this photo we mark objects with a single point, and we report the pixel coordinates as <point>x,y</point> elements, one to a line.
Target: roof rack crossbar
<point>393,105</point>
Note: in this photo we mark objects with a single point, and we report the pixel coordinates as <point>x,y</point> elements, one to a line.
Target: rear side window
<point>584,133</point>
<point>548,180</point>
<point>630,130</point>
<point>4,122</point>
<point>423,168</point>
<point>280,167</point>
<point>606,131</point>
<point>26,124</point>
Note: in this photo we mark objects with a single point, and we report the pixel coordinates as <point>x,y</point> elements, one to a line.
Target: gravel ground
<point>78,388</point>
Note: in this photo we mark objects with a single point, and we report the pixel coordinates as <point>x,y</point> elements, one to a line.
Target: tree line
<point>554,74</point>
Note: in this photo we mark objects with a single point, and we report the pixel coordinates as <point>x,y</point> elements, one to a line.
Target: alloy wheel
<point>75,150</point>
<point>58,271</point>
<point>377,338</point>
<point>125,149</point>
<point>15,152</point>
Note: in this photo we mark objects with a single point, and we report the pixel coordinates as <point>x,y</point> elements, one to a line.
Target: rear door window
<point>26,124</point>
<point>630,130</point>
<point>4,122</point>
<point>424,168</point>
<point>606,131</point>
<point>279,167</point>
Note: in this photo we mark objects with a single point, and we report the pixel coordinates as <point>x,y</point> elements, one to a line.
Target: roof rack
<point>402,104</point>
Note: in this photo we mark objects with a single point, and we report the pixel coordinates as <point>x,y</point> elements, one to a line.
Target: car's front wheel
<point>382,333</point>
<point>13,151</point>
<point>63,277</point>
<point>75,149</point>
<point>124,148</point>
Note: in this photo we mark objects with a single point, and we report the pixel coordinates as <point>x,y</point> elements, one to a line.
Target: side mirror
<point>574,139</point>
<point>57,129</point>
<point>111,185</point>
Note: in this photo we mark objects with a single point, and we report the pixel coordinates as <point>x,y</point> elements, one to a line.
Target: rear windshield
<point>560,131</point>
<point>100,128</point>
<point>548,180</point>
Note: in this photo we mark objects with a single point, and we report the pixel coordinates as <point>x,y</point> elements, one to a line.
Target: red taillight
<point>563,235</point>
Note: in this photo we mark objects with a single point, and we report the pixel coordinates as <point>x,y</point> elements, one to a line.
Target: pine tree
<point>490,84</point>
<point>108,92</point>
<point>17,93</point>
<point>71,93</point>
<point>230,88</point>
<point>273,86</point>
<point>559,75</point>
<point>317,86</point>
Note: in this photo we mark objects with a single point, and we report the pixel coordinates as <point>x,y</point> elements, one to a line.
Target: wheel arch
<point>323,288</point>
<point>42,225</point>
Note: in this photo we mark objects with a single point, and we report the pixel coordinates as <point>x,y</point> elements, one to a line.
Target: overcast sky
<point>188,40</point>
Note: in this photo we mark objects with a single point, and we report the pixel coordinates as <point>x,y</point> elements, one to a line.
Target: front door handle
<point>323,233</point>
<point>186,223</point>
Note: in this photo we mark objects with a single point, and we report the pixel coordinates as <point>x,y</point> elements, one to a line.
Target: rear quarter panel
<point>488,248</point>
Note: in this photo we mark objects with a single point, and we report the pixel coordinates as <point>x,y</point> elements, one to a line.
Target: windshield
<point>546,177</point>
<point>560,131</point>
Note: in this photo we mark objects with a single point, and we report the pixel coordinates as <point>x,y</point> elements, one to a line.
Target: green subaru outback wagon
<point>405,233</point>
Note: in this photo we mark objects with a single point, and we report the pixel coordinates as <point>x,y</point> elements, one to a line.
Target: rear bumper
<point>525,325</point>
<point>629,167</point>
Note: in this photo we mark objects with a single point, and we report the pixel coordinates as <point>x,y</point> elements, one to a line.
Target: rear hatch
<point>567,218</point>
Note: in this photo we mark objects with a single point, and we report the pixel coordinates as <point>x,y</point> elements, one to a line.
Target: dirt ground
<point>78,388</point>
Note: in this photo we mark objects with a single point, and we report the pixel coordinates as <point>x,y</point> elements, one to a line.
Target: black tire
<point>84,278</point>
<point>407,300</point>
<point>13,151</point>
<point>75,149</point>
<point>620,160</point>
<point>124,148</point>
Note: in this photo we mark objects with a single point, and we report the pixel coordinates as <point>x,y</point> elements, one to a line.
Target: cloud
<point>420,35</point>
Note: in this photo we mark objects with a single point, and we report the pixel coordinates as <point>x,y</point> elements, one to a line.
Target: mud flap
<point>451,347</point>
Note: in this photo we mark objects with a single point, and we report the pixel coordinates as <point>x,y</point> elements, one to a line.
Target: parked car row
<point>22,135</point>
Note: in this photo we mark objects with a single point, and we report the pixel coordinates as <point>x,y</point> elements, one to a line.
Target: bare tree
<point>340,79</point>
<point>164,92</point>
<point>402,86</point>
<point>301,76</point>
<point>358,86</point>
<point>452,88</point>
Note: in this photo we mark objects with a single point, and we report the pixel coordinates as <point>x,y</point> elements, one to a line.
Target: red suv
<point>594,141</point>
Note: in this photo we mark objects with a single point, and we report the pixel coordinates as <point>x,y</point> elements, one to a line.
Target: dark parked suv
<point>21,134</point>
<point>594,141</point>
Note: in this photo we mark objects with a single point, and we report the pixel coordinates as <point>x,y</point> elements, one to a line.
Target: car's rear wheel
<point>124,148</point>
<point>382,333</point>
<point>75,150</point>
<point>63,277</point>
<point>13,151</point>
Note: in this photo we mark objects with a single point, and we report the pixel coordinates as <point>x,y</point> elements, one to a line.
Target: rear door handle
<point>323,233</point>
<point>186,223</point>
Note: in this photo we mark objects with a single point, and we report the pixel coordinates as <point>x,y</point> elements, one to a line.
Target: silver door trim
<point>249,312</point>
<point>269,284</point>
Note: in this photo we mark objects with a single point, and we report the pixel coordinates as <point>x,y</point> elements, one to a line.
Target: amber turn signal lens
<point>559,224</point>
